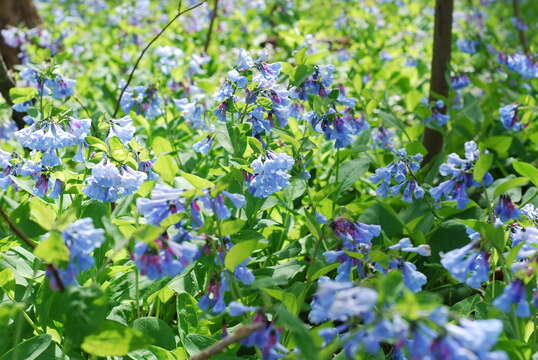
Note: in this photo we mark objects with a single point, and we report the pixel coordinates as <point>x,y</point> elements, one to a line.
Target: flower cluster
<point>437,114</point>
<point>215,205</point>
<point>142,100</point>
<point>164,256</point>
<point>164,202</point>
<point>108,183</point>
<point>468,264</point>
<point>521,64</point>
<point>81,238</point>
<point>461,173</point>
<point>270,174</point>
<point>401,173</point>
<point>509,118</point>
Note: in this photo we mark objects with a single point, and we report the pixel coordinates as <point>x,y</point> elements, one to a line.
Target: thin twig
<point>218,347</point>
<point>522,37</point>
<point>146,49</point>
<point>211,24</point>
<point>31,245</point>
<point>6,84</point>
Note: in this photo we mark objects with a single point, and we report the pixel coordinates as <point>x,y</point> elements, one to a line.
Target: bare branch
<point>522,37</point>
<point>214,14</point>
<point>239,334</point>
<point>146,49</point>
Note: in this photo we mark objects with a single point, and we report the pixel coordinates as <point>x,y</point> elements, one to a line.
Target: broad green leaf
<point>507,185</point>
<point>239,253</point>
<point>117,149</point>
<point>196,181</point>
<point>114,339</point>
<point>97,143</point>
<point>499,144</point>
<point>20,95</point>
<point>166,167</point>
<point>161,145</point>
<point>231,227</point>
<point>526,170</point>
<point>300,334</point>
<point>158,330</point>
<point>29,349</point>
<point>42,213</point>
<point>482,166</point>
<point>52,250</point>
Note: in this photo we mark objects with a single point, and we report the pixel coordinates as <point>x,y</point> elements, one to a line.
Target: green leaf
<point>239,253</point>
<point>300,57</point>
<point>231,227</point>
<point>53,250</point>
<point>97,143</point>
<point>29,349</point>
<point>166,167</point>
<point>114,339</point>
<point>510,184</point>
<point>482,166</point>
<point>495,234</point>
<point>255,144</point>
<point>20,95</point>
<point>195,343</point>
<point>499,144</point>
<point>117,149</point>
<point>42,213</point>
<point>157,329</point>
<point>351,171</point>
<point>161,145</point>
<point>196,181</point>
<point>526,170</point>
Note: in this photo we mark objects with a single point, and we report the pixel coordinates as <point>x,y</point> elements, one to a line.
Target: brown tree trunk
<point>442,44</point>
<point>15,13</point>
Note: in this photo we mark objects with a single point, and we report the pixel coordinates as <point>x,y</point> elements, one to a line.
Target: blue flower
<point>383,138</point>
<point>468,264</point>
<point>401,172</point>
<point>461,172</point>
<point>243,274</point>
<point>405,245</point>
<point>355,235</point>
<point>214,297</point>
<point>81,238</point>
<point>509,118</point>
<point>506,210</point>
<point>338,301</point>
<point>341,128</point>
<point>61,87</point>
<point>467,46</point>
<point>168,58</point>
<point>239,80</point>
<point>203,146</point>
<point>514,294</point>
<point>122,128</point>
<point>460,81</point>
<point>143,100</point>
<point>164,202</point>
<point>520,63</point>
<point>237,200</point>
<point>270,174</point>
<point>244,61</point>
<point>236,308</point>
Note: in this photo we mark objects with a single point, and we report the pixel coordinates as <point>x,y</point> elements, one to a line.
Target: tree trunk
<point>442,44</point>
<point>14,13</point>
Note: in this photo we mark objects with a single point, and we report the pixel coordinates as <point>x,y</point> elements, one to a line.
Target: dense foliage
<point>272,187</point>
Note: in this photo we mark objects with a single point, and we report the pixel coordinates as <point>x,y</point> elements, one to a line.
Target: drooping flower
<point>509,118</point>
<point>214,297</point>
<point>203,146</point>
<point>468,264</point>
<point>81,238</point>
<point>506,210</point>
<point>459,82</point>
<point>236,308</point>
<point>270,174</point>
<point>467,46</point>
<point>339,301</point>
<point>266,339</point>
<point>521,64</point>
<point>401,173</point>
<point>405,245</point>
<point>461,172</point>
<point>122,128</point>
<point>383,138</point>
<point>514,294</point>
<point>164,202</point>
<point>168,58</point>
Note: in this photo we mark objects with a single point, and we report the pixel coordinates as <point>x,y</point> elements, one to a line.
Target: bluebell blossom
<point>467,46</point>
<point>342,128</point>
<point>459,82</point>
<point>225,92</point>
<point>506,210</point>
<point>413,279</point>
<point>266,339</point>
<point>244,274</point>
<point>122,128</point>
<point>44,137</point>
<point>192,112</point>
<point>81,238</point>
<point>168,57</point>
<point>260,123</point>
<point>196,62</point>
<point>514,294</point>
<point>214,298</point>
<point>244,61</point>
<point>437,114</point>
<point>236,308</point>
<point>108,183</point>
<point>383,138</point>
<point>268,71</point>
<point>270,174</point>
<point>143,100</point>
<point>163,257</point>
<point>519,24</point>
<point>474,339</point>
<point>146,167</point>
<point>239,80</point>
<point>203,146</point>
<point>355,235</point>
<point>61,87</point>
<point>527,238</point>
<point>461,173</point>
<point>164,202</point>
<point>405,245</point>
<point>509,118</point>
<point>79,128</point>
<point>339,301</point>
<point>400,172</point>
<point>237,200</point>
<point>521,64</point>
<point>468,264</point>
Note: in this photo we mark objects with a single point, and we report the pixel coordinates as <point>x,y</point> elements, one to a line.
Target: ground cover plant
<point>249,179</point>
